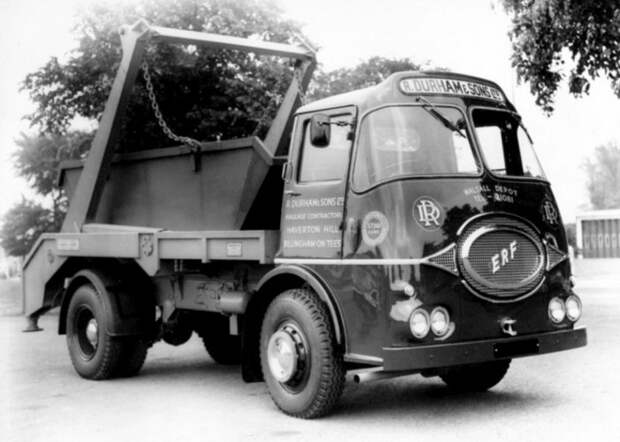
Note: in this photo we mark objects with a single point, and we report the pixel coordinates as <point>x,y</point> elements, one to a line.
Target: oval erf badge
<point>375,228</point>
<point>428,213</point>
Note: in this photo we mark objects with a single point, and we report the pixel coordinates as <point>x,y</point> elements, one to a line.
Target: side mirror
<point>320,130</point>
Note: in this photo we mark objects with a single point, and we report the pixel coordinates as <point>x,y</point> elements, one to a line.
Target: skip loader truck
<point>403,228</point>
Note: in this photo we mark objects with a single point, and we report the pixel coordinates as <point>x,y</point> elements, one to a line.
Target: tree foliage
<point>545,31</point>
<point>37,159</point>
<point>603,177</point>
<point>23,224</point>
<point>365,74</point>
<point>202,92</point>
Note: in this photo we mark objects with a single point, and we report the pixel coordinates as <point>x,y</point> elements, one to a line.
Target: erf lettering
<point>502,258</point>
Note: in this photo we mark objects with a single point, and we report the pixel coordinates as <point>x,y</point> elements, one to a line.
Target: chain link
<point>191,141</point>
<point>195,144</point>
<point>300,90</point>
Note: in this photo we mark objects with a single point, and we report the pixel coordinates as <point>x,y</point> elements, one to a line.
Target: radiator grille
<point>501,258</point>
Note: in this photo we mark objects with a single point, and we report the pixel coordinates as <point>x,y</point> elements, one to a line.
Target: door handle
<point>292,193</point>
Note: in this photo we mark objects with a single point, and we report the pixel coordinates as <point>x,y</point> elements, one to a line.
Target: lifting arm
<point>134,38</point>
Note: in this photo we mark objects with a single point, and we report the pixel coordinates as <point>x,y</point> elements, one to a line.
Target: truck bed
<point>146,245</point>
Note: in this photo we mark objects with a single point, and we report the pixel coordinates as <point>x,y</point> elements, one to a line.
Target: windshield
<point>408,141</point>
<point>505,145</point>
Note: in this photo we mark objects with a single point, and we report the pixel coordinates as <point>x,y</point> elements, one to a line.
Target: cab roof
<point>404,87</point>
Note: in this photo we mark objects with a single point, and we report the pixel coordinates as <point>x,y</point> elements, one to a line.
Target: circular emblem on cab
<point>375,227</point>
<point>549,212</point>
<point>428,213</point>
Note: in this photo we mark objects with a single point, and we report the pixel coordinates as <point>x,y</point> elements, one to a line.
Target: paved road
<point>182,395</point>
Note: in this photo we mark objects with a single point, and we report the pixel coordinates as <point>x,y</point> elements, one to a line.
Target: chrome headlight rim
<point>560,302</point>
<point>440,309</point>
<point>427,320</point>
<point>577,300</point>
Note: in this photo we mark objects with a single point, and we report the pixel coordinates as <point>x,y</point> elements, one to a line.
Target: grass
<point>10,297</point>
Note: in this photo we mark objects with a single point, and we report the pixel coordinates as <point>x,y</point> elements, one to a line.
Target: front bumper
<point>443,355</point>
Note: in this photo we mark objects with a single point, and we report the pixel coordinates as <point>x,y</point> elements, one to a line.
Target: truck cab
<point>421,205</point>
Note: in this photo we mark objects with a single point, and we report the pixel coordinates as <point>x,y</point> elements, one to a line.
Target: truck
<point>403,228</point>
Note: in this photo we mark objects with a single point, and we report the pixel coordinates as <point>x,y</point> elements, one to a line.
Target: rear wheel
<point>302,367</point>
<point>223,347</point>
<point>474,377</point>
<point>94,353</point>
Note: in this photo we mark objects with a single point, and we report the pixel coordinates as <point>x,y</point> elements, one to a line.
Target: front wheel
<point>301,364</point>
<point>474,377</point>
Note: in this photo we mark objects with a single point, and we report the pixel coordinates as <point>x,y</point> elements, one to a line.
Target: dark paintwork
<point>443,355</point>
<point>369,306</point>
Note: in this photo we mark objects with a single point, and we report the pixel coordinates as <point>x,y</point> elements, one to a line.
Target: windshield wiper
<point>435,113</point>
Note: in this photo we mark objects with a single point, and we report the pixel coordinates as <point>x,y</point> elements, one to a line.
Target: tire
<point>298,320</point>
<point>474,377</point>
<point>224,348</point>
<point>133,355</point>
<point>95,354</point>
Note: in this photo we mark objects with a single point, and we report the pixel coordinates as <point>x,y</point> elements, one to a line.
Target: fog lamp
<point>419,323</point>
<point>557,310</point>
<point>573,307</point>
<point>440,321</point>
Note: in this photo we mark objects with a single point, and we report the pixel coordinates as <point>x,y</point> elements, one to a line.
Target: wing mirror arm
<point>320,129</point>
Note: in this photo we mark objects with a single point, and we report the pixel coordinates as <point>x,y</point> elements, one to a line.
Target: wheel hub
<point>282,356</point>
<point>92,332</point>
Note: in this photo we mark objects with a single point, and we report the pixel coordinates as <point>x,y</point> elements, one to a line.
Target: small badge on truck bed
<point>68,244</point>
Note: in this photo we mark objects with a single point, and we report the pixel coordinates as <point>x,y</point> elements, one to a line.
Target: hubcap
<point>92,332</point>
<point>282,356</point>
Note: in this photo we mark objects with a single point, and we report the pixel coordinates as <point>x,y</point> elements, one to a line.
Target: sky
<point>468,37</point>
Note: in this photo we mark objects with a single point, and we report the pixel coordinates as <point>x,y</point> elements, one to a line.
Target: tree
<point>202,92</point>
<point>603,177</point>
<point>38,159</point>
<point>365,74</point>
<point>23,224</point>
<point>544,32</point>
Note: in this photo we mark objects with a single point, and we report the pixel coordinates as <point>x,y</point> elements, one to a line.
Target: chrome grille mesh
<point>501,258</point>
<point>446,259</point>
<point>555,255</point>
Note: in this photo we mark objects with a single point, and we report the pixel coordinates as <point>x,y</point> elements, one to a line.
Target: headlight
<point>573,307</point>
<point>440,321</point>
<point>557,310</point>
<point>419,323</point>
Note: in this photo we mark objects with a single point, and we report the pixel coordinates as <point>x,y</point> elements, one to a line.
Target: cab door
<point>315,188</point>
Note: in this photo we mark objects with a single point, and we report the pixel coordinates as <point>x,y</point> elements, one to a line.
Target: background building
<point>598,234</point>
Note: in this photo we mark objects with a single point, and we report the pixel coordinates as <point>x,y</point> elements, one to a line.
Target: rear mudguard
<point>130,311</point>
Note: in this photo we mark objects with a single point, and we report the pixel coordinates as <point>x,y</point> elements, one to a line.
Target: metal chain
<point>300,91</point>
<point>160,119</point>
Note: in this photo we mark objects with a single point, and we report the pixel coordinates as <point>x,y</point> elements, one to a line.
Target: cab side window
<point>328,163</point>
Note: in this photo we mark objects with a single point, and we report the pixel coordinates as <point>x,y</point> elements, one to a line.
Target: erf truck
<point>403,228</point>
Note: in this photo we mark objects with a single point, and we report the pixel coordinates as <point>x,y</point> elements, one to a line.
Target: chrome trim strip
<point>362,359</point>
<point>372,261</point>
<point>350,261</point>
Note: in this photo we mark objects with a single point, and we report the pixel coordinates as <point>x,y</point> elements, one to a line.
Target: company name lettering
<point>450,87</point>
